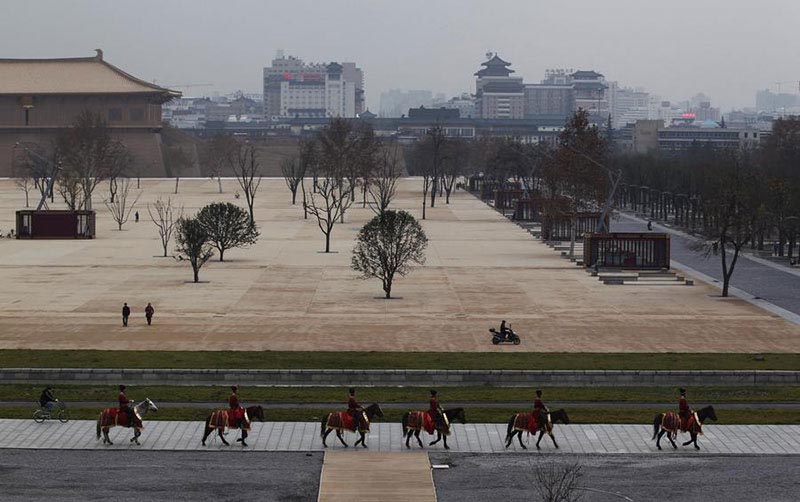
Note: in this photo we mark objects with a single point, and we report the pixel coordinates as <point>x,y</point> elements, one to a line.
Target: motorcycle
<point>510,337</point>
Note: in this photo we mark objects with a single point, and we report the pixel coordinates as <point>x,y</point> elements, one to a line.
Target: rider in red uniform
<point>124,405</point>
<point>235,406</point>
<point>354,408</point>
<point>435,409</point>
<point>684,411</point>
<point>538,407</point>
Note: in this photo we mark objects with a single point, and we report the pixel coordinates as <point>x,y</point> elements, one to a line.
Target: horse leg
<point>419,441</point>
<point>693,439</point>
<point>444,441</point>
<point>553,437</point>
<point>541,435</point>
<point>519,437</point>
<point>222,436</point>
<point>360,439</point>
<point>324,436</point>
<point>106,439</point>
<point>243,439</point>
<point>136,434</point>
<point>671,438</point>
<point>438,438</point>
<point>339,435</point>
<point>363,439</point>
<point>658,439</point>
<point>206,432</point>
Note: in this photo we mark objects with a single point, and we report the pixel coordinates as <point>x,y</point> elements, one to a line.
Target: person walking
<point>148,313</point>
<point>136,217</point>
<point>650,225</point>
<point>126,312</point>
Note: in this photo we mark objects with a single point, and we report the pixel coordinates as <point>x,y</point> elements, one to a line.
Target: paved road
<point>473,438</point>
<point>779,287</point>
<point>27,475</point>
<point>614,478</point>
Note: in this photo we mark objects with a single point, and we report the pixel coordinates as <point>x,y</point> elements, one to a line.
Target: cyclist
<point>47,400</point>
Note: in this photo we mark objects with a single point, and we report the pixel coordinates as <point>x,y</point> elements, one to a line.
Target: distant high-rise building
<point>590,94</point>
<point>628,105</point>
<point>767,101</point>
<point>498,94</point>
<point>293,88</point>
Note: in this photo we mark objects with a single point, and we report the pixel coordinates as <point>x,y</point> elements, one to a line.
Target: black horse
<point>442,428</point>
<point>659,429</point>
<point>334,421</point>
<point>252,412</point>
<point>546,426</point>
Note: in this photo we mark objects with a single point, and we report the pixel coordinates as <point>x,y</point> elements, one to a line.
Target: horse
<point>219,419</point>
<point>670,423</point>
<point>342,420</point>
<point>111,417</point>
<point>543,423</point>
<point>442,429</point>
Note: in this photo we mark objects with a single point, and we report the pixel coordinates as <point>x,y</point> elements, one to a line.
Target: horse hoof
<point>524,447</point>
<point>696,447</point>
<point>203,443</point>
<point>658,447</point>
<point>446,447</point>
<point>366,446</point>
<point>538,447</point>
<point>244,444</point>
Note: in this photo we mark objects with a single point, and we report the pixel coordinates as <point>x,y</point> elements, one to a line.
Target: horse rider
<point>684,411</point>
<point>47,400</point>
<point>435,409</point>
<point>124,405</point>
<point>235,406</point>
<point>354,408</point>
<point>538,405</point>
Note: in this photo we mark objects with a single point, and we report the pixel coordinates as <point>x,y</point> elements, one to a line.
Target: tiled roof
<point>89,75</point>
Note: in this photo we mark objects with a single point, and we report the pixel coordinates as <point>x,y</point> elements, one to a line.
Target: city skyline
<point>674,51</point>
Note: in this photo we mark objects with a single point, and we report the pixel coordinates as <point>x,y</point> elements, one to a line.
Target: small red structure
<point>648,251</point>
<point>55,224</point>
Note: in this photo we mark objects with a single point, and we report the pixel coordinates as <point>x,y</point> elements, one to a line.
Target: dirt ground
<point>284,294</point>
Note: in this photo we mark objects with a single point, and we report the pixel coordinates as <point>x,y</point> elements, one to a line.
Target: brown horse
<point>413,424</point>
<point>221,419</point>
<point>669,423</point>
<point>111,417</point>
<point>341,420</point>
<point>521,422</point>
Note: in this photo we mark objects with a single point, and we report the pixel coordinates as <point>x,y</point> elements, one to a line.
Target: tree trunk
<point>26,199</point>
<point>328,242</point>
<point>219,183</point>
<point>221,253</point>
<point>387,287</point>
<point>165,245</point>
<point>196,273</point>
<point>177,180</point>
<point>294,195</point>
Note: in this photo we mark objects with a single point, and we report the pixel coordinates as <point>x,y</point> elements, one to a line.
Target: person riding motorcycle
<point>47,400</point>
<point>684,410</point>
<point>435,409</point>
<point>503,330</point>
<point>235,406</point>
<point>354,408</point>
<point>124,405</point>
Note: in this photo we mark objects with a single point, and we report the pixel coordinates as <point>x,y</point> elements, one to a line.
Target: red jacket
<point>352,404</point>
<point>433,406</point>
<point>233,402</point>
<point>123,401</point>
<point>683,406</point>
<point>538,404</point>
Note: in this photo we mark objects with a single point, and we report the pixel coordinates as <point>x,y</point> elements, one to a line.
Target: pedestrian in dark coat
<point>126,312</point>
<point>148,313</point>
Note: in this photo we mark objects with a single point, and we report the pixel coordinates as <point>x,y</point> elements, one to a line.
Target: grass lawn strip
<point>337,395</point>
<point>393,360</point>
<point>602,415</point>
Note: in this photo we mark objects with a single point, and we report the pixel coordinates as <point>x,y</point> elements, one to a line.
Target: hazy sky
<point>675,48</point>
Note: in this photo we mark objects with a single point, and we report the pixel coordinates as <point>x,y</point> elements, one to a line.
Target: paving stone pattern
<point>386,437</point>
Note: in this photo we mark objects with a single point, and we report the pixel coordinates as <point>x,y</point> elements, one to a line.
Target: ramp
<point>368,475</point>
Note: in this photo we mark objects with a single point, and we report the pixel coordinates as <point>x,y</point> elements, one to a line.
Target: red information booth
<point>56,224</point>
<point>648,251</point>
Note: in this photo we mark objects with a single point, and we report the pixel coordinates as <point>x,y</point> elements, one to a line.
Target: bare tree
<point>176,161</point>
<point>119,209</point>
<point>293,173</point>
<point>119,162</point>
<point>243,161</point>
<point>192,244</point>
<point>165,218</point>
<point>387,246</point>
<point>559,482</point>
<point>22,178</point>
<point>453,166</point>
<point>70,189</point>
<point>86,150</point>
<point>383,185</point>
<point>328,204</point>
<point>215,154</point>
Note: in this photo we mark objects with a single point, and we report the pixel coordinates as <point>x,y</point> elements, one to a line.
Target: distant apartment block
<point>295,89</point>
<point>396,102</point>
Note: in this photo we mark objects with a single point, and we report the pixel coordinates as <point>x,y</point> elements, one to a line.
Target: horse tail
<point>657,425</point>
<point>405,422</point>
<point>98,424</point>
<point>511,425</point>
<point>324,423</point>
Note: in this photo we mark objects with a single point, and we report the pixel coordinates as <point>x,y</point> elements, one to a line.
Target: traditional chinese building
<point>41,97</point>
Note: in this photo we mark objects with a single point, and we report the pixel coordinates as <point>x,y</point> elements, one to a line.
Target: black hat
<point>539,392</point>
<point>121,387</point>
<point>234,388</point>
<point>682,390</point>
<point>433,392</point>
<point>352,390</point>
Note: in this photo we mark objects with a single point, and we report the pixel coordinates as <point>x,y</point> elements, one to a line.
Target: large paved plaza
<point>284,294</point>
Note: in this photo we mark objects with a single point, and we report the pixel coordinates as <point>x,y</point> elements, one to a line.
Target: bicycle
<point>41,414</point>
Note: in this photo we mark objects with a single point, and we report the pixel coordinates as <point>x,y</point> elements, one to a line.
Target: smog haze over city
<point>727,49</point>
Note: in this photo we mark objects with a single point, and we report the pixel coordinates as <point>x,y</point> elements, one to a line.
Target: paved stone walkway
<point>395,476</point>
<point>386,437</point>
